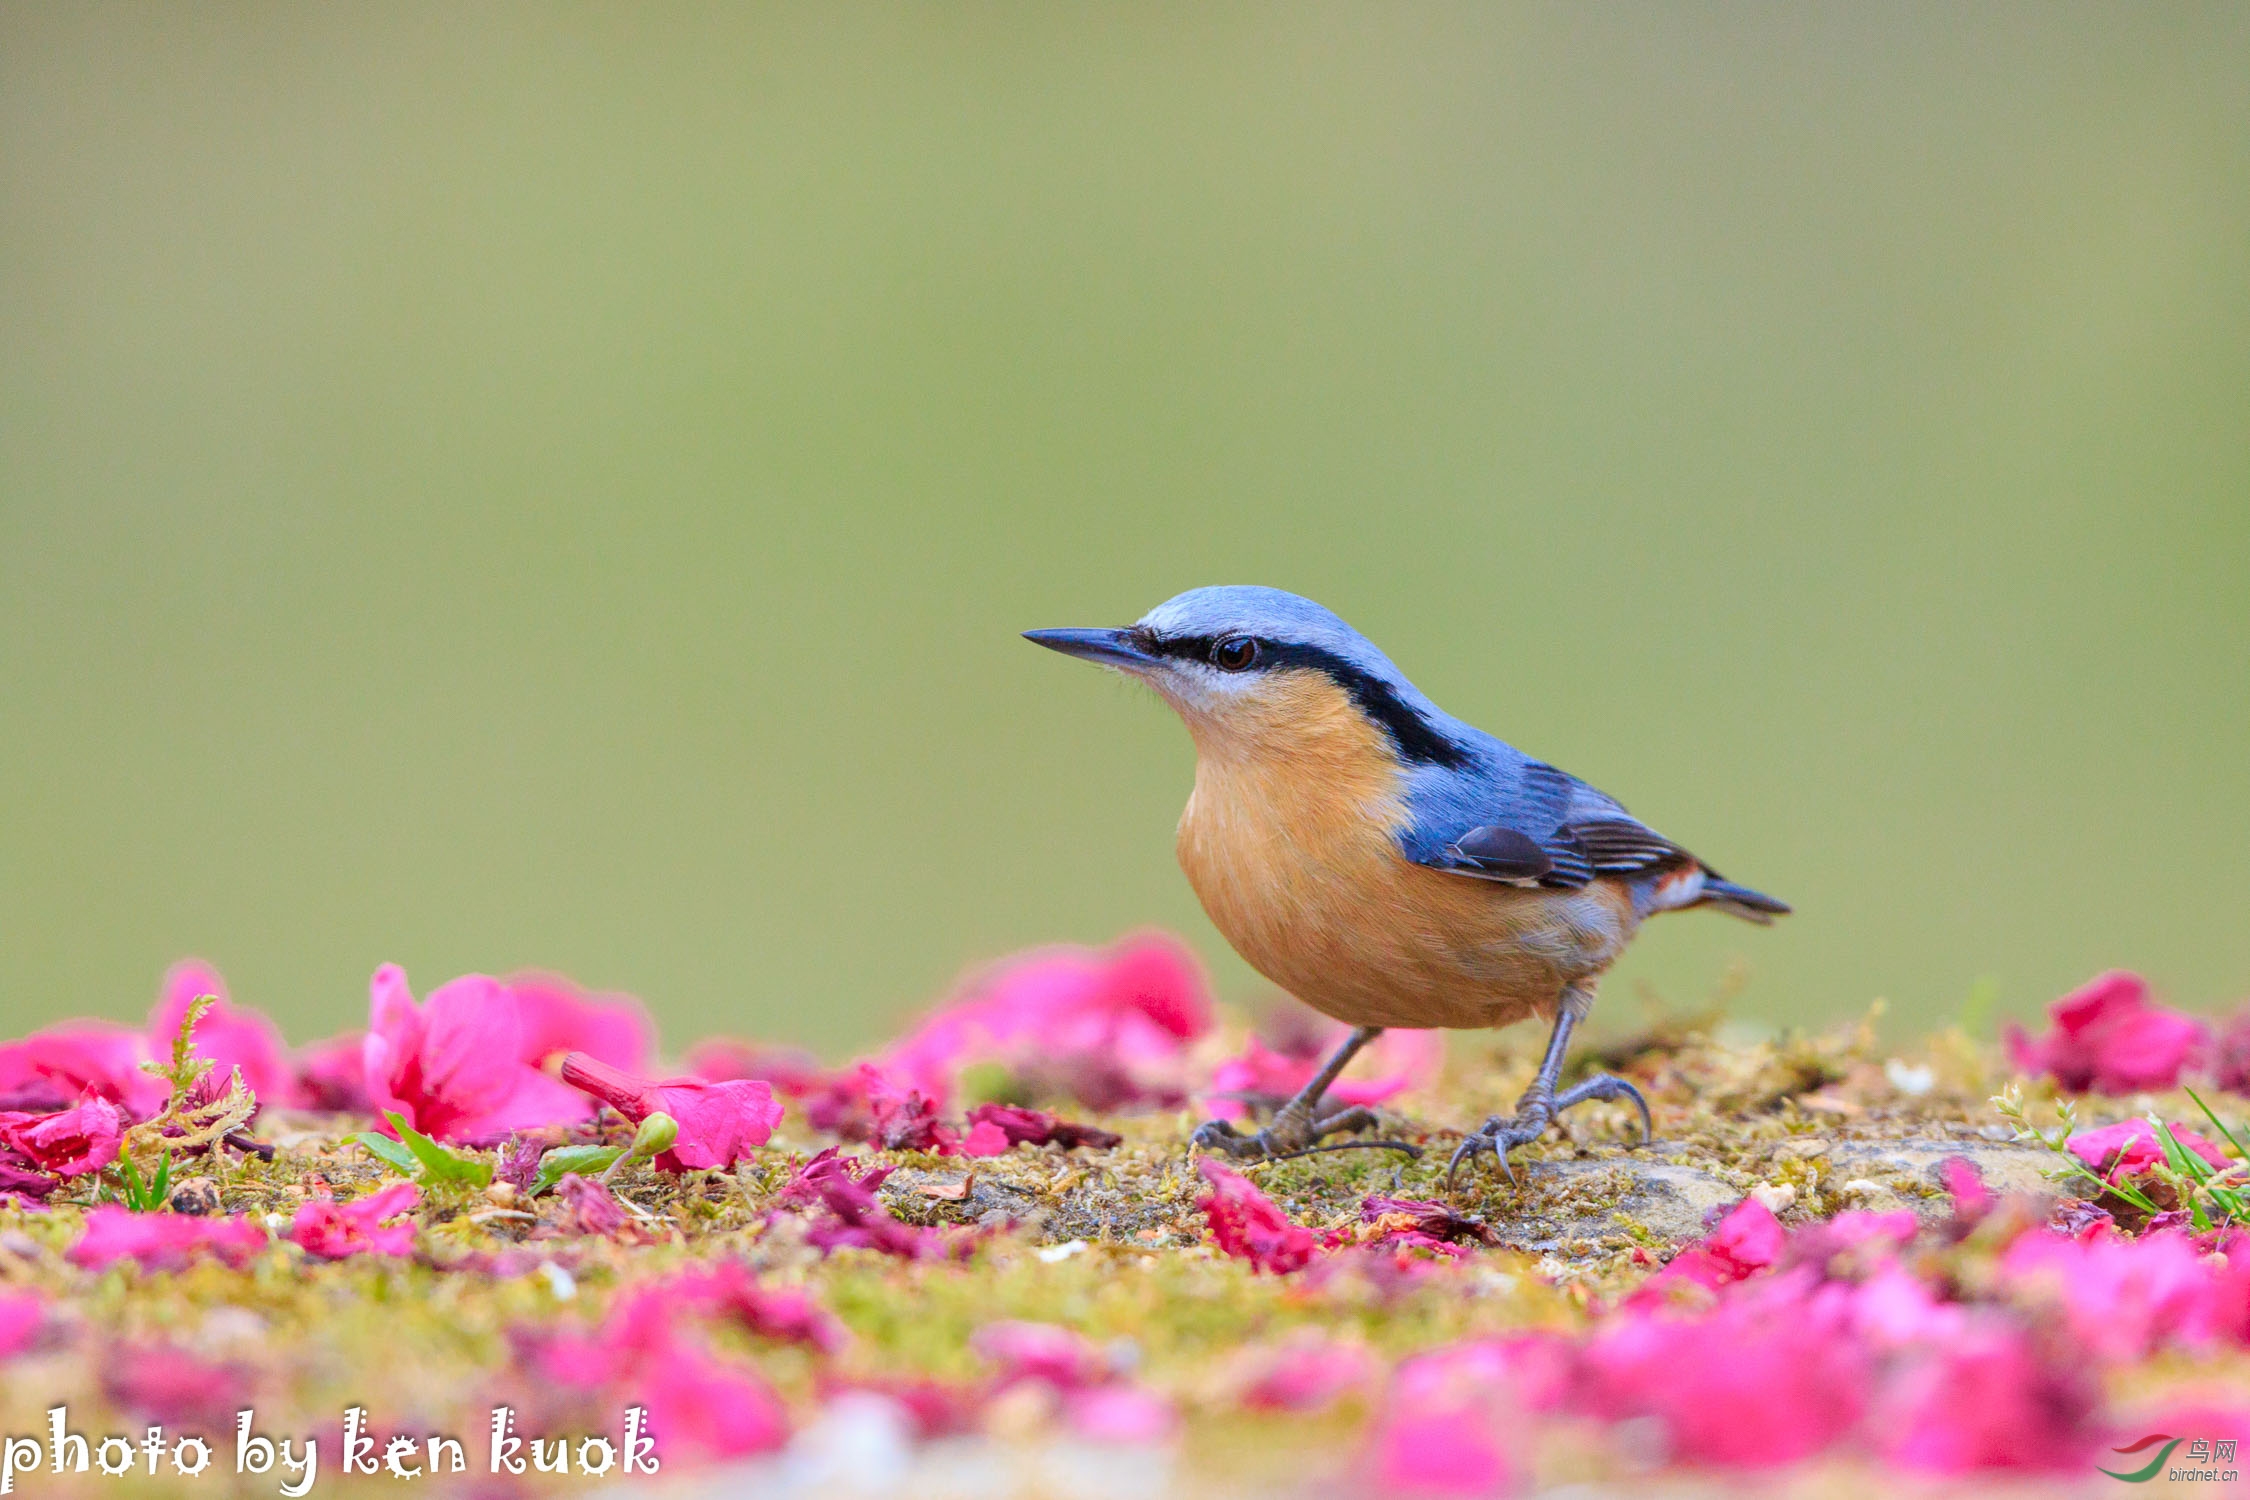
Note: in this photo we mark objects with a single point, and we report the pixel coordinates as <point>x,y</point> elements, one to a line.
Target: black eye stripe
<point>1416,739</point>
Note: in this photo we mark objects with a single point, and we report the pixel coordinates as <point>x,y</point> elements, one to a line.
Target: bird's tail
<point>1740,901</point>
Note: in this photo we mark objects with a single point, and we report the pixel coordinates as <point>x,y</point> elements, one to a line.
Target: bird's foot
<point>1534,1113</point>
<point>1294,1133</point>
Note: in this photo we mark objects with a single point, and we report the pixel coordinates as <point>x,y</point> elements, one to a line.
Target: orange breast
<point>1290,842</point>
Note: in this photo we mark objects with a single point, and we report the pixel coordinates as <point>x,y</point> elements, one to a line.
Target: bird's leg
<point>1299,1123</point>
<point>1537,1109</point>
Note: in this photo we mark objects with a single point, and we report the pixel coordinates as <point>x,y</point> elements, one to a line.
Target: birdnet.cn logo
<point>2206,1460</point>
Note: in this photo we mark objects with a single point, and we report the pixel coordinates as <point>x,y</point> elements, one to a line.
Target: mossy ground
<point>427,1343</point>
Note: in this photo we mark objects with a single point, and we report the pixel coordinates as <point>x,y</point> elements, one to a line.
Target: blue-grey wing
<point>1535,827</point>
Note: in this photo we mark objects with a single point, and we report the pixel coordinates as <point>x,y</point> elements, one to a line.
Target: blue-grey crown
<point>1303,634</point>
<point>1271,615</point>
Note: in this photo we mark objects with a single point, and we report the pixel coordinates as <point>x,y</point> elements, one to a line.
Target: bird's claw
<point>1222,1137</point>
<point>1291,1135</point>
<point>1502,1134</point>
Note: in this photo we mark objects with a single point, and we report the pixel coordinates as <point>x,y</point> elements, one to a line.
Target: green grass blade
<point>2242,1152</point>
<point>388,1150</point>
<point>439,1164</point>
<point>584,1160</point>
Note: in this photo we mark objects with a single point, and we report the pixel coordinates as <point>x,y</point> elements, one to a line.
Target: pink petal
<point>21,1318</point>
<point>557,1016</point>
<point>162,1241</point>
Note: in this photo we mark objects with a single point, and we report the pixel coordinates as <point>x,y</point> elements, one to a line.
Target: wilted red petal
<point>1019,1126</point>
<point>1247,1224</point>
<point>847,1213</point>
<point>337,1231</point>
<point>70,1142</point>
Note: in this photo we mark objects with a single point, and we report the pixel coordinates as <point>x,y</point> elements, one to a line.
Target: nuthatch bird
<point>1384,862</point>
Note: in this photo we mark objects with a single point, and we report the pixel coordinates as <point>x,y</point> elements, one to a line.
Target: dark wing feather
<point>1567,859</point>
<point>1555,831</point>
<point>1619,846</point>
<point>1503,853</point>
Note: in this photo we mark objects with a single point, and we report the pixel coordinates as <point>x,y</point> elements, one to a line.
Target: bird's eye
<point>1234,653</point>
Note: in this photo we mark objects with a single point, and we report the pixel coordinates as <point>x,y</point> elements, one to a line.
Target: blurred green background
<point>560,486</point>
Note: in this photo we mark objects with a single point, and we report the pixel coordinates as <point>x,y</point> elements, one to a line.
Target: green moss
<point>426,1342</point>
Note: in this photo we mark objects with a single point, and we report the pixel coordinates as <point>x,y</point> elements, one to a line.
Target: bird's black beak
<point>1109,648</point>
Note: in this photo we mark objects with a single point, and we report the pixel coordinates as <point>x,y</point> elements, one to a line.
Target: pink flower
<point>2124,1299</point>
<point>705,1410</point>
<point>787,1315</point>
<point>793,1071</point>
<point>70,1142</point>
<point>557,1016</point>
<point>50,1069</point>
<point>720,1123</point>
<point>1768,1376</point>
<point>453,1066</point>
<point>995,1128</point>
<point>2110,1039</point>
<point>1894,1309</point>
<point>1106,1028</point>
<point>1748,1240</point>
<point>1972,1199</point>
<point>1098,1402</point>
<point>1043,1352</point>
<point>699,1407</point>
<point>162,1241</point>
<point>1986,1400</point>
<point>2130,1147</point>
<point>935,1408</point>
<point>21,1319</point>
<point>1248,1225</point>
<point>230,1036</point>
<point>331,1075</point>
<point>1307,1371</point>
<point>337,1231</point>
<point>1125,1413</point>
<point>1448,1425</point>
<point>1397,1061</point>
